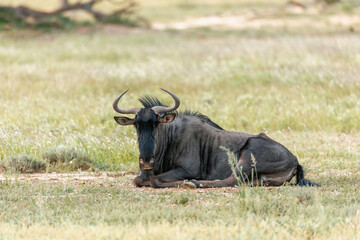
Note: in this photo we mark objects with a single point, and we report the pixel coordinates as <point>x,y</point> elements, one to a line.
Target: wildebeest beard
<point>146,142</point>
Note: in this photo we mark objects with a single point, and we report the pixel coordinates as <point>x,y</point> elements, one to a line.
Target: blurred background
<point>291,16</point>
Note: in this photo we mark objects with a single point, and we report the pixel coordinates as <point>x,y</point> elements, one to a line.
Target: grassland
<point>112,209</point>
<point>301,88</point>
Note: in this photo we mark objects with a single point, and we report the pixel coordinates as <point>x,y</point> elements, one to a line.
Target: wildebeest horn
<point>161,109</point>
<point>124,111</point>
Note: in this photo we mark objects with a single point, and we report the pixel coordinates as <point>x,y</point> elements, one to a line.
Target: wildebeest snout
<point>146,165</point>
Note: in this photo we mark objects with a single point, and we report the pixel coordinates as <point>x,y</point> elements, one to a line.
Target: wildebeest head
<point>146,121</point>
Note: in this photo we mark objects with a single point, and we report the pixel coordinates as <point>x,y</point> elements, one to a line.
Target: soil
<point>104,179</point>
<point>251,21</point>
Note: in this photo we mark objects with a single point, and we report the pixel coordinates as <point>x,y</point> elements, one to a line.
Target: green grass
<point>300,87</point>
<point>59,90</point>
<point>102,209</point>
<point>23,163</point>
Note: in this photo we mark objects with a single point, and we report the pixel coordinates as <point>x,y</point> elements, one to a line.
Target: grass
<point>102,209</point>
<point>23,163</point>
<point>301,88</point>
<point>69,159</point>
<point>59,91</point>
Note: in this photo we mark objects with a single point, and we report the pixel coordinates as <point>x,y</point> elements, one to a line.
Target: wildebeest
<point>188,149</point>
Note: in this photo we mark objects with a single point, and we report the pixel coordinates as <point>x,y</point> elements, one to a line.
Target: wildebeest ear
<point>124,120</point>
<point>168,118</point>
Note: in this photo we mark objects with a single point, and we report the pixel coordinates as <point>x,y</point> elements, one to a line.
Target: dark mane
<point>203,118</point>
<point>149,101</point>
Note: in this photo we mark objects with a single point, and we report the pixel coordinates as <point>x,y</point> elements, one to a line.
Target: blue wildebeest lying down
<point>187,149</point>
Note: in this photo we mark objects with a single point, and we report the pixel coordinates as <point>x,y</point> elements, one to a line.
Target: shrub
<point>62,158</point>
<point>23,163</point>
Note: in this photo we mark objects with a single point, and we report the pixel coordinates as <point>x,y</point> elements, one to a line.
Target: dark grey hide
<point>189,152</point>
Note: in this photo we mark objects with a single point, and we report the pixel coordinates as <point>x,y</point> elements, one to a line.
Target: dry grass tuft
<point>23,163</point>
<point>68,159</point>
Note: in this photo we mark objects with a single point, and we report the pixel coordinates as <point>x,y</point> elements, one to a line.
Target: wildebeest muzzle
<point>146,165</point>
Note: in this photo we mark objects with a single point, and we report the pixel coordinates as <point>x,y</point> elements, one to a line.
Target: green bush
<point>23,163</point>
<point>62,158</point>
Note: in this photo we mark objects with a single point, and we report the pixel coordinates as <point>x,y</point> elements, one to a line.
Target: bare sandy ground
<point>248,21</point>
<point>252,21</point>
<point>77,177</point>
<point>103,179</point>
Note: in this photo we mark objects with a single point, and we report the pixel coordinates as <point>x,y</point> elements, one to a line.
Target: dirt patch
<point>104,179</point>
<point>252,21</point>
<point>344,20</point>
<point>79,177</point>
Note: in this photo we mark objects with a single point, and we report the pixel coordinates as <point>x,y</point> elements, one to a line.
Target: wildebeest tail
<point>301,181</point>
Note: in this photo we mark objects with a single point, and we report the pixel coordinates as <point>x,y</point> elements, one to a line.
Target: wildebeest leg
<point>155,183</point>
<point>171,178</point>
<point>143,180</point>
<point>243,171</point>
<point>227,182</point>
<point>271,162</point>
<point>174,175</point>
<point>262,161</point>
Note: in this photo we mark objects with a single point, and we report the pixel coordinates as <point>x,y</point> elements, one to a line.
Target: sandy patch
<point>252,21</point>
<point>66,177</point>
<point>104,179</point>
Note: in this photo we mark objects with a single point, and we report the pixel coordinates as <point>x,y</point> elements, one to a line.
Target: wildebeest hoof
<point>155,184</point>
<point>197,184</point>
<point>188,184</point>
<point>138,181</point>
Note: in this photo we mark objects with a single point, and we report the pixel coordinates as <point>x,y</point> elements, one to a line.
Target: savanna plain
<point>298,83</point>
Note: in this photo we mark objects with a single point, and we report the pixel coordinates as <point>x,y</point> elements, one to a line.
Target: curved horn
<point>124,111</point>
<point>161,109</point>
